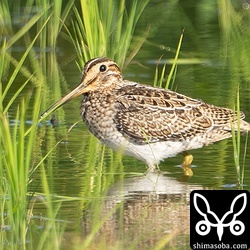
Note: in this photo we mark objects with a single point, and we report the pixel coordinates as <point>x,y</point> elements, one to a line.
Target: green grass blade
<point>21,32</point>
<point>174,66</point>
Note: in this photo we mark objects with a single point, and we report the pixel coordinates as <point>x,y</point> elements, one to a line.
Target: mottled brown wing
<point>149,115</point>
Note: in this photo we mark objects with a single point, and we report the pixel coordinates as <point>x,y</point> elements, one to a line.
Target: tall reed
<point>18,137</point>
<point>235,34</point>
<point>16,144</point>
<point>106,28</point>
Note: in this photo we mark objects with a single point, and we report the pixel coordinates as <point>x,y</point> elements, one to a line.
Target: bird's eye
<point>103,68</point>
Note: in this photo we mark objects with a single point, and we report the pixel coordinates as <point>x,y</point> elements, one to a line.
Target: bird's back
<point>145,114</point>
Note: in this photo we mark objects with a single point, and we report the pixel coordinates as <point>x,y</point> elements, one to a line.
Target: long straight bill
<point>73,94</point>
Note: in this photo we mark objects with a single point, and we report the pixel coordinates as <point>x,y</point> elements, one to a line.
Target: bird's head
<point>96,75</point>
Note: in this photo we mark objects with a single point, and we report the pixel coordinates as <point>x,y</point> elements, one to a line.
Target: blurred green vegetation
<point>52,170</point>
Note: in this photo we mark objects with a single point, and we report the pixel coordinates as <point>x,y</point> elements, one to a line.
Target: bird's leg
<point>152,169</point>
<point>186,164</point>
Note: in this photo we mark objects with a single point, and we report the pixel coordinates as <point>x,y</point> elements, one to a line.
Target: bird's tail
<point>242,125</point>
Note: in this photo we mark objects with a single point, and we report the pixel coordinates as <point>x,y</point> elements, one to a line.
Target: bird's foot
<point>186,164</point>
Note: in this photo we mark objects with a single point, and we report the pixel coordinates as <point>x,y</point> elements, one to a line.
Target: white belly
<point>152,153</point>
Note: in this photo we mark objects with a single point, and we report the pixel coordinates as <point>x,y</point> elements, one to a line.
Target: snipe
<point>145,122</point>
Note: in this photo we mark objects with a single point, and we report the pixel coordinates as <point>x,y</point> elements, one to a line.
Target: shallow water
<point>143,209</point>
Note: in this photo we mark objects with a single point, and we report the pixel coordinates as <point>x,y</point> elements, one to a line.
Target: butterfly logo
<point>203,227</point>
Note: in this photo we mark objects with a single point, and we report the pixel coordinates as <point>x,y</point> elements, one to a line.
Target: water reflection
<point>144,210</point>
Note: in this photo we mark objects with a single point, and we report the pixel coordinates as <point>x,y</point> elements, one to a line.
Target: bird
<point>145,122</point>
